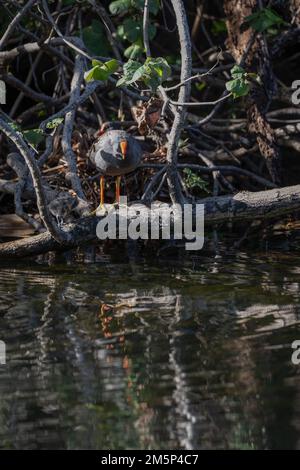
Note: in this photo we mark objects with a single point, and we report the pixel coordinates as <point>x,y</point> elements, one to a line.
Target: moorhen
<point>115,153</point>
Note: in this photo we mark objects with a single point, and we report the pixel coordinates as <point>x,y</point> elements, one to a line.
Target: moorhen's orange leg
<point>118,183</point>
<point>102,187</point>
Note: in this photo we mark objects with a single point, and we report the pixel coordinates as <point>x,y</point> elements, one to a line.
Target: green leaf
<point>14,126</point>
<point>200,86</point>
<point>240,83</point>
<point>134,51</point>
<point>91,74</point>
<point>121,82</point>
<point>96,62</point>
<point>101,71</point>
<point>153,72</point>
<point>54,123</point>
<point>129,70</point>
<point>161,67</point>
<point>95,39</point>
<point>194,181</point>
<point>264,19</point>
<point>237,72</point>
<point>152,82</point>
<point>138,74</point>
<point>111,65</point>
<point>131,30</point>
<point>119,6</point>
<point>238,87</point>
<point>34,136</point>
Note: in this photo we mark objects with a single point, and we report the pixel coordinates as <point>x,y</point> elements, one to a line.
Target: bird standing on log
<point>115,153</point>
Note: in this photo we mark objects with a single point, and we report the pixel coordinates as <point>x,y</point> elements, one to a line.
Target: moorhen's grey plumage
<point>115,153</point>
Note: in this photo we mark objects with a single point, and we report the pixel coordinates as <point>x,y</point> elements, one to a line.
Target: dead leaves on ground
<point>147,115</point>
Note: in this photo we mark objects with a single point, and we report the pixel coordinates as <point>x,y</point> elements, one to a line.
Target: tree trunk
<point>258,61</point>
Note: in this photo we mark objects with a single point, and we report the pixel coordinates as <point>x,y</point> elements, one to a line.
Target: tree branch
<point>243,206</point>
<point>184,95</point>
<point>29,158</point>
<point>15,21</point>
<point>66,142</point>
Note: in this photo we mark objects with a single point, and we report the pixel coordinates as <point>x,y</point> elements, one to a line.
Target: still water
<point>159,355</point>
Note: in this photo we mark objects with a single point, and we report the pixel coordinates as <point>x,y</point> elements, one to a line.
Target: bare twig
<point>109,26</point>
<point>29,158</point>
<point>201,103</point>
<point>152,183</point>
<point>146,28</point>
<point>32,47</point>
<point>221,168</point>
<point>73,104</point>
<point>15,21</point>
<point>16,83</point>
<point>184,94</point>
<point>22,172</point>
<point>194,77</point>
<point>70,156</point>
<point>77,49</point>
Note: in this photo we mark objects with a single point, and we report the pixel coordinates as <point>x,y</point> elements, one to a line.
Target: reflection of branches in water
<point>188,416</point>
<point>74,345</point>
<point>174,362</point>
<point>214,412</point>
<point>47,339</point>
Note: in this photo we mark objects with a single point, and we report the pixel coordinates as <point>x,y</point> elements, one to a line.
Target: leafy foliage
<point>132,30</point>
<point>101,70</point>
<point>264,19</point>
<point>122,6</point>
<point>194,181</point>
<point>152,73</point>
<point>34,136</point>
<point>240,84</point>
<point>54,123</point>
<point>135,50</point>
<point>95,39</point>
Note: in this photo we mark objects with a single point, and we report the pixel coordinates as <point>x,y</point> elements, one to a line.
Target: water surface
<point>161,355</point>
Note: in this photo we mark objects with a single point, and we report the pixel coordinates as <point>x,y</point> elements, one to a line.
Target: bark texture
<point>240,207</point>
<point>240,37</point>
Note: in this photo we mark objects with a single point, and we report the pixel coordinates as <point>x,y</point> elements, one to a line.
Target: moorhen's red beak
<point>124,145</point>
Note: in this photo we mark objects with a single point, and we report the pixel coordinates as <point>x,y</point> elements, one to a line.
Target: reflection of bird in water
<point>111,322</point>
<point>115,153</point>
<point>62,207</point>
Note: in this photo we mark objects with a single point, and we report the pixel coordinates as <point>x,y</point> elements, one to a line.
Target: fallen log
<point>242,206</point>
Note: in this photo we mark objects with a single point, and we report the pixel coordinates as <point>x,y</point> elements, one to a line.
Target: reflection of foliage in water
<point>185,357</point>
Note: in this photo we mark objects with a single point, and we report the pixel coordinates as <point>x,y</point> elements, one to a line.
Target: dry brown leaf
<point>147,115</point>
